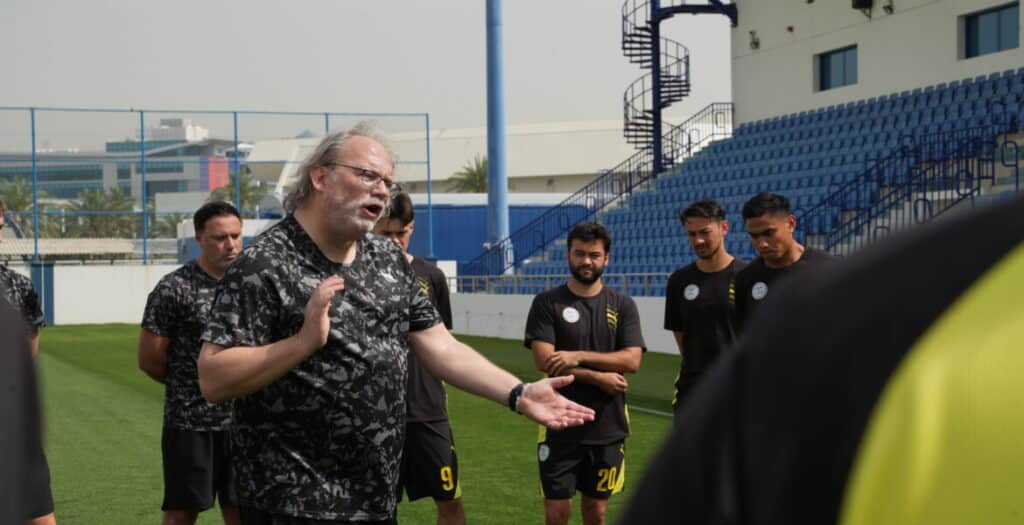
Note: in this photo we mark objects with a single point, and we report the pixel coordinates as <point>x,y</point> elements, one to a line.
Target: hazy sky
<point>562,57</point>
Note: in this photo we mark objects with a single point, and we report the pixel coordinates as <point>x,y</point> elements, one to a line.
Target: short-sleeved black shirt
<point>426,398</point>
<point>606,322</point>
<point>757,281</point>
<point>17,290</point>
<point>177,309</point>
<point>699,304</point>
<point>324,441</point>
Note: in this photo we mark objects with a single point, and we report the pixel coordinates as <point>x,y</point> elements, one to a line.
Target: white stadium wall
<point>504,316</point>
<point>919,44</point>
<point>104,294</point>
<point>117,294</point>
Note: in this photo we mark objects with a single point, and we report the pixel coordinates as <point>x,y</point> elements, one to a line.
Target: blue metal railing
<point>922,178</point>
<point>711,123</point>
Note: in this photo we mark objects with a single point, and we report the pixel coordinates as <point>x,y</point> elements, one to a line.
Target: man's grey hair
<point>327,153</point>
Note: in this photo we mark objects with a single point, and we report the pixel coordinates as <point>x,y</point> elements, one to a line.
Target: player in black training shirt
<point>592,332</point>
<point>17,290</point>
<point>195,441</point>
<point>770,224</point>
<point>698,299</point>
<point>429,464</point>
<point>309,333</point>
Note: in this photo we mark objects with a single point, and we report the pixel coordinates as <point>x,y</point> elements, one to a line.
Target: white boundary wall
<point>104,294</point>
<point>918,45</point>
<point>117,294</point>
<point>504,316</point>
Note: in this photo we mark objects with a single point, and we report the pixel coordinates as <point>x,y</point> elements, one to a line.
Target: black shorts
<point>684,389</point>
<point>40,498</point>
<point>252,516</point>
<point>197,469</point>
<point>429,464</point>
<point>598,471</point>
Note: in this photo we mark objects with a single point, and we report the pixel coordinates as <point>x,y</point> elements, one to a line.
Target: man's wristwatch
<point>513,397</point>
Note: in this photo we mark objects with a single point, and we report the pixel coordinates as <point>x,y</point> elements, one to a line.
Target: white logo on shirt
<point>571,315</point>
<point>759,291</point>
<point>691,292</point>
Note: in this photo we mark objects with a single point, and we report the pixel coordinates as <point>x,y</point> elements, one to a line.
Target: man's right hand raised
<point>317,322</point>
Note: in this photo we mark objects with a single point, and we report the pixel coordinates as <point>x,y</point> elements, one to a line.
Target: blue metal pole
<point>430,198</point>
<point>145,193</point>
<point>238,171</point>
<point>35,189</point>
<point>497,178</point>
<point>327,124</point>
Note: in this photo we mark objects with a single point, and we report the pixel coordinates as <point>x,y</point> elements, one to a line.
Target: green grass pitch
<point>103,419</point>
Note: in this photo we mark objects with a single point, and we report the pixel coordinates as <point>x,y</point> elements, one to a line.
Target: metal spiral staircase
<point>668,81</point>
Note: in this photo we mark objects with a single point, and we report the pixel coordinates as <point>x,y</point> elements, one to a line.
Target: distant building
<point>179,157</point>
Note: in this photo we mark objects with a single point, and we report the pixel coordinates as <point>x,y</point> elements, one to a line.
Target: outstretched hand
<point>541,403</point>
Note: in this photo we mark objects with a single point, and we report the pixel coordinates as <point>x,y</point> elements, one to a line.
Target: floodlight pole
<point>497,178</point>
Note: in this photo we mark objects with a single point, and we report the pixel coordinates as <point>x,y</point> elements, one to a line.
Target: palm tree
<point>251,189</point>
<point>103,214</point>
<point>17,194</point>
<point>472,178</point>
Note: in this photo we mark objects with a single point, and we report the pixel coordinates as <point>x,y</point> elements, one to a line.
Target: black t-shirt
<point>177,309</point>
<point>426,398</point>
<point>699,305</point>
<point>325,440</point>
<point>606,322</point>
<point>757,281</point>
<point>18,291</point>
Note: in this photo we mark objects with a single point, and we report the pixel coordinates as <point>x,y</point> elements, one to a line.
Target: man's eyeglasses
<point>371,178</point>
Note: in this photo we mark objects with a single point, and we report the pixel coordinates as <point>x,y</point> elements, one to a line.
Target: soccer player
<point>699,306</point>
<point>309,333</point>
<point>885,392</point>
<point>592,332</point>
<point>195,443</point>
<point>770,224</point>
<point>17,290</point>
<point>429,464</point>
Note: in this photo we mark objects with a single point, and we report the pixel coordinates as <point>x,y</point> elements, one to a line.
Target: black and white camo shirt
<point>17,290</point>
<point>324,441</point>
<point>177,309</point>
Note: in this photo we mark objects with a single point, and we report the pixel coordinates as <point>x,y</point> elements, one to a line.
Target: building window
<point>992,31</point>
<point>837,68</point>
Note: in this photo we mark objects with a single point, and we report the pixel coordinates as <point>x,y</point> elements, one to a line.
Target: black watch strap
<point>513,397</point>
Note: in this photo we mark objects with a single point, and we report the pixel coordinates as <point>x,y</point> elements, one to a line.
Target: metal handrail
<point>712,122</point>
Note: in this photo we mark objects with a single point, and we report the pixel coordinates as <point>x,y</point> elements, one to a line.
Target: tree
<point>17,194</point>
<point>165,225</point>
<point>472,178</point>
<point>252,191</point>
<point>103,214</point>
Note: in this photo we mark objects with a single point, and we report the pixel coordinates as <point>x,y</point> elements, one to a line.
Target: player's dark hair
<point>401,208</point>
<point>703,209</point>
<point>589,232</point>
<point>210,210</point>
<point>766,203</point>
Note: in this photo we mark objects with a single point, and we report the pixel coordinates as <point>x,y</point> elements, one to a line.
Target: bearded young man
<point>592,332</point>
